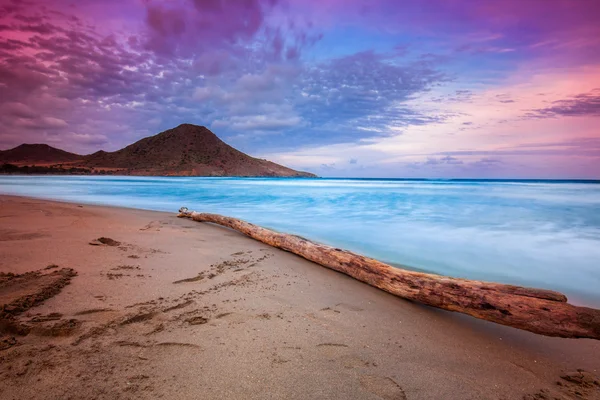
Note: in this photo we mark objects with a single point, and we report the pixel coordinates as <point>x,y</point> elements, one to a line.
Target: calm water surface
<point>537,233</point>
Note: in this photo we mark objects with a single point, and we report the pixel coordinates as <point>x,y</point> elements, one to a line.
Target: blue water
<point>537,233</point>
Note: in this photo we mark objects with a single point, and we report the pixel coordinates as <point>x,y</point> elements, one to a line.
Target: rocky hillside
<point>187,150</point>
<point>37,154</point>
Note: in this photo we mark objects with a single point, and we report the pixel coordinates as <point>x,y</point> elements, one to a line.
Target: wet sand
<point>172,308</point>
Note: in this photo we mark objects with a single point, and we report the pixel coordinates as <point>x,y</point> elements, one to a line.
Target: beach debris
<point>105,241</point>
<point>539,311</point>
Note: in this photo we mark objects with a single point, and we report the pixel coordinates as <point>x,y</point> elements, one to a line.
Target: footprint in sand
<point>125,267</point>
<point>384,387</point>
<point>351,362</point>
<point>177,344</point>
<point>343,354</point>
<point>93,311</point>
<point>578,384</point>
<point>128,343</point>
<point>232,318</point>
<point>199,320</point>
<point>105,241</point>
<point>13,235</point>
<point>196,278</point>
<point>138,318</point>
<point>45,318</point>
<point>154,226</point>
<point>349,307</point>
<point>332,345</point>
<point>158,328</point>
<point>61,328</point>
<point>333,351</point>
<point>178,306</point>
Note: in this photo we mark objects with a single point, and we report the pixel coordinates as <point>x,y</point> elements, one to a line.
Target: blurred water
<point>536,233</point>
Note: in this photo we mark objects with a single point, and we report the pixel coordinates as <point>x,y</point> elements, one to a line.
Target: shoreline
<point>266,323</point>
<point>578,299</point>
<point>500,180</point>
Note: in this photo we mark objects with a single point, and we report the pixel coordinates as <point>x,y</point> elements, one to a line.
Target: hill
<point>37,154</point>
<point>187,150</point>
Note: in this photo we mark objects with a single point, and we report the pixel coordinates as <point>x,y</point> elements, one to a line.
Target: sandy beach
<point>170,308</point>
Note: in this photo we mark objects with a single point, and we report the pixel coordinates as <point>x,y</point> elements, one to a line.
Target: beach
<point>171,308</point>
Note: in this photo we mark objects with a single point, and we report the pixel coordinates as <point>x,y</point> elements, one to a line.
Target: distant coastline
<point>490,180</point>
<point>57,170</point>
<point>12,169</point>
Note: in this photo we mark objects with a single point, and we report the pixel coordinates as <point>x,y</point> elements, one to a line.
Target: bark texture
<point>536,310</point>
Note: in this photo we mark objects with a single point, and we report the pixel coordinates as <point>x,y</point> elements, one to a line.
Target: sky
<point>342,88</point>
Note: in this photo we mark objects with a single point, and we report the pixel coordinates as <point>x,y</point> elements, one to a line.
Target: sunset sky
<point>378,88</point>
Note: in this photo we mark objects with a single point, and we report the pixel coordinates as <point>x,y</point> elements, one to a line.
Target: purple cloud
<point>585,104</point>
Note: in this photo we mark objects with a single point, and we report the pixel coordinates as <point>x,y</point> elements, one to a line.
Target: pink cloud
<point>193,25</point>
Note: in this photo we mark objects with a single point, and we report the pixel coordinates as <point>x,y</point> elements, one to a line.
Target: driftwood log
<point>536,310</point>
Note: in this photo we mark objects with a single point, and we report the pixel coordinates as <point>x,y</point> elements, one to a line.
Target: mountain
<point>37,154</point>
<point>187,150</point>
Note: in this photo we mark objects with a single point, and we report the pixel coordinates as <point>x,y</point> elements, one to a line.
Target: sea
<point>536,233</point>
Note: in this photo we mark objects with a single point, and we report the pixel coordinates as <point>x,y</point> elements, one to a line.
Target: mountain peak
<point>188,129</point>
<point>33,146</point>
<point>187,149</point>
<point>186,125</point>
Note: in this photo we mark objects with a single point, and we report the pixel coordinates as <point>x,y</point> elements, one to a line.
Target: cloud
<point>485,27</point>
<point>435,161</point>
<point>331,101</point>
<point>450,160</point>
<point>208,93</point>
<point>85,139</point>
<point>258,122</point>
<point>40,123</point>
<point>218,34</point>
<point>365,84</point>
<point>570,144</point>
<point>185,27</point>
<point>585,104</point>
<point>486,163</point>
<point>19,110</point>
<point>328,167</point>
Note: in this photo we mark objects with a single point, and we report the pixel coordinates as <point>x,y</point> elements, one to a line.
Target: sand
<point>170,308</point>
